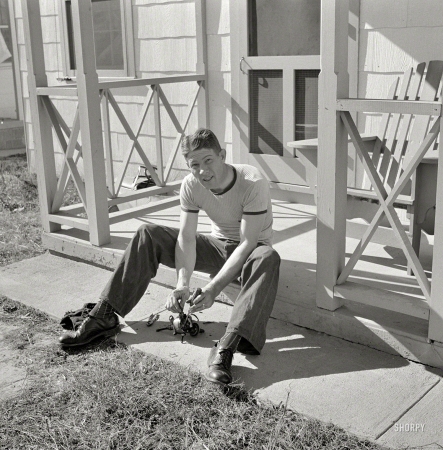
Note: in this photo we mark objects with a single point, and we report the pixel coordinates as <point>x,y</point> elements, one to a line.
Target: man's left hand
<point>203,301</point>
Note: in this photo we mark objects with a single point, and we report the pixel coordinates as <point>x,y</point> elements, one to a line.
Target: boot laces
<point>83,324</point>
<point>224,358</point>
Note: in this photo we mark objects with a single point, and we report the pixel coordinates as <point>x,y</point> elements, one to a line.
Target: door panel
<point>284,28</point>
<point>279,35</point>
<point>280,95</point>
<point>279,68</point>
<point>265,103</point>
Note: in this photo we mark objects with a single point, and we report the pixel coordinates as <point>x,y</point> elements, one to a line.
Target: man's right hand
<point>177,299</point>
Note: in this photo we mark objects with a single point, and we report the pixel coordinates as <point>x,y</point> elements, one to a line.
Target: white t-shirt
<point>248,194</point>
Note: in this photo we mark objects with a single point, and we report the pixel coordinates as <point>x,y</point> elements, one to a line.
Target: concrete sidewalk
<point>383,397</point>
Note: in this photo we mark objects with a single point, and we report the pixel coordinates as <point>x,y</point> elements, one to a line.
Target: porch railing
<point>335,124</point>
<point>98,189</point>
<point>68,140</point>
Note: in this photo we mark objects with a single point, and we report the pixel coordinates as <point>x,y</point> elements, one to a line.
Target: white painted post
<point>108,144</point>
<point>435,332</point>
<point>90,123</point>
<point>158,134</point>
<point>41,123</point>
<point>202,63</point>
<point>15,63</point>
<point>332,151</point>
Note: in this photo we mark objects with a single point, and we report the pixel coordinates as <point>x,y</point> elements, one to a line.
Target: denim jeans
<point>155,244</point>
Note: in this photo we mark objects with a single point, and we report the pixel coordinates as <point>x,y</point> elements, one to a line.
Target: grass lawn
<point>20,226</point>
<point>108,396</point>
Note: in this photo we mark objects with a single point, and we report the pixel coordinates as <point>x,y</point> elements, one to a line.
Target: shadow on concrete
<point>291,352</point>
<point>138,333</point>
<point>309,354</point>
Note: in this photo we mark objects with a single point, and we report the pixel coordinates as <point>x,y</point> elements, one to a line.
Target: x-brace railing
<point>154,96</point>
<point>97,191</point>
<point>69,167</point>
<point>68,139</point>
<point>134,138</point>
<point>387,202</point>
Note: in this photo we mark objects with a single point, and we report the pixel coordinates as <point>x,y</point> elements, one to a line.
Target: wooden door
<point>276,64</point>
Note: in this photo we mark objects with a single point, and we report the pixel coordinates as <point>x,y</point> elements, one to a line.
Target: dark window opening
<point>108,34</point>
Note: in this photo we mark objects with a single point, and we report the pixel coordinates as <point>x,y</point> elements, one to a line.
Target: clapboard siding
<point>165,44</point>
<point>394,36</point>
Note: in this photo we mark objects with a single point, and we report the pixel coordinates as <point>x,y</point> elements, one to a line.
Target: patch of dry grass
<point>108,396</point>
<point>20,225</point>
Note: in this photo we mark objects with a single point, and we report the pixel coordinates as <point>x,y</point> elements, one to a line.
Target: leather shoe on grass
<point>91,328</point>
<point>219,362</point>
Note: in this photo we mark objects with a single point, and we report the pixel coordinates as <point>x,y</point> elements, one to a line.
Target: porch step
<point>389,331</point>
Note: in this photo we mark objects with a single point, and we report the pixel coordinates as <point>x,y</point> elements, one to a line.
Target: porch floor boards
<point>382,267</point>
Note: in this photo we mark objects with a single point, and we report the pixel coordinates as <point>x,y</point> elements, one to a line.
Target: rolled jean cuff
<point>116,305</point>
<point>258,343</point>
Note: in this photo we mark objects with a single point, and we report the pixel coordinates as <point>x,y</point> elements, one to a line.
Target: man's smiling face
<point>209,168</point>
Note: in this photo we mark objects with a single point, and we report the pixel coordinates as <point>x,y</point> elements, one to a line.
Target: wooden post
<point>435,332</point>
<point>108,145</point>
<point>332,151</point>
<point>289,102</point>
<point>90,123</point>
<point>238,13</point>
<point>158,133</point>
<point>16,65</point>
<point>41,123</point>
<point>202,62</point>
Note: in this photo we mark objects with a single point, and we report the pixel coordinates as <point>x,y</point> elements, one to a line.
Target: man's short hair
<point>202,138</point>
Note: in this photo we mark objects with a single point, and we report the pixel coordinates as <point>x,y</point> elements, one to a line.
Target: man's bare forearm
<point>185,257</point>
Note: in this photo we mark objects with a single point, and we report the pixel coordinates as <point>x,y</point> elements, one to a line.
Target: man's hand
<point>177,299</point>
<point>203,301</point>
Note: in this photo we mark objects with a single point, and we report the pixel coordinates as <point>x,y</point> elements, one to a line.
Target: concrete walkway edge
<point>375,395</point>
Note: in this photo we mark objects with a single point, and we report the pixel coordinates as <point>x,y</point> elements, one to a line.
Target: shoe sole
<point>105,333</point>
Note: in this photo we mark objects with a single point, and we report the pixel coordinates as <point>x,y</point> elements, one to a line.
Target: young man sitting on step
<point>237,200</point>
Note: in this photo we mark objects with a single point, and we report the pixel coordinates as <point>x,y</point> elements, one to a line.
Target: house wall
<point>165,44</point>
<point>8,107</point>
<point>53,61</point>
<point>219,71</point>
<point>395,35</point>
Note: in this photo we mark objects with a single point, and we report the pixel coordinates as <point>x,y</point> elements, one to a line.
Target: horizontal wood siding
<point>394,35</point>
<point>219,71</point>
<point>53,63</point>
<point>165,44</point>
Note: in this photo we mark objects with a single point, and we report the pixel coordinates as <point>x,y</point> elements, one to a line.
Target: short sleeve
<point>187,202</point>
<point>257,198</point>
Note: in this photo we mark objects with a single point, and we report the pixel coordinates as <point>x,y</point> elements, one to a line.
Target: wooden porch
<point>389,310</point>
<point>382,270</point>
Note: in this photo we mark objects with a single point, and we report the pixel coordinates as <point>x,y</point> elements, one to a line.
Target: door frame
<point>289,64</point>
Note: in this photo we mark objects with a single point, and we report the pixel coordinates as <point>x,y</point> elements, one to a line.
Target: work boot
<point>220,359</point>
<point>100,322</point>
